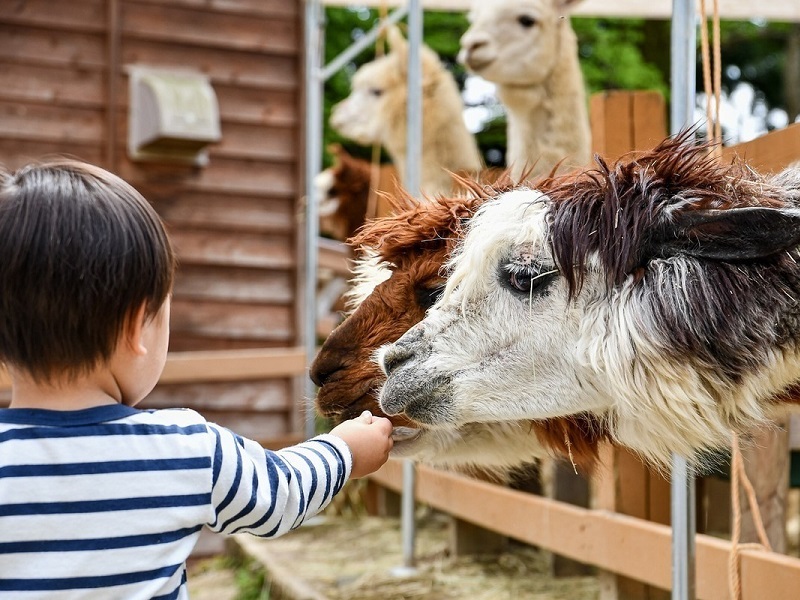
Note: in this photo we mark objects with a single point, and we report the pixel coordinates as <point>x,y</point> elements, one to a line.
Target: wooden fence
<point>632,547</point>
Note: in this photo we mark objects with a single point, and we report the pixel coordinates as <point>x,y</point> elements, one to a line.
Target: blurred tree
<point>612,57</point>
<point>763,55</point>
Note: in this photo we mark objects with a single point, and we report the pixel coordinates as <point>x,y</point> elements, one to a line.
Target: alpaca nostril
<point>476,45</point>
<point>318,377</point>
<point>393,357</point>
<point>322,369</point>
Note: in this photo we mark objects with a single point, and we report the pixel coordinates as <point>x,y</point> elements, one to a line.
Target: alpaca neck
<point>447,145</point>
<point>548,122</point>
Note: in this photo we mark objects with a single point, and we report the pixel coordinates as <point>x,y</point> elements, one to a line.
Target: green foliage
<point>611,56</point>
<point>251,581</point>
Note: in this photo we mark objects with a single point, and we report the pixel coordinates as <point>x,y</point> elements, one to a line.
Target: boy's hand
<point>369,439</point>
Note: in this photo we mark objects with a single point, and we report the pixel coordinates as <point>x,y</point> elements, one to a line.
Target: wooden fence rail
<point>625,545</point>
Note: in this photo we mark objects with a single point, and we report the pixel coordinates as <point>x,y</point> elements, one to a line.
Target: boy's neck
<point>97,388</point>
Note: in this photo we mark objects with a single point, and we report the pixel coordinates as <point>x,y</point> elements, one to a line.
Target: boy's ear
<point>133,331</point>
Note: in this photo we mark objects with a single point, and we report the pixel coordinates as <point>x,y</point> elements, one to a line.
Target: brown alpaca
<point>343,194</point>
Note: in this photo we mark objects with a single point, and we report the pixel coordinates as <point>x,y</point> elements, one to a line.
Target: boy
<point>99,499</point>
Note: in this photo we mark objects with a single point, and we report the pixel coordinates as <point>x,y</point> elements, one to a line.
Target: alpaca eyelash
<point>550,272</point>
<point>525,270</point>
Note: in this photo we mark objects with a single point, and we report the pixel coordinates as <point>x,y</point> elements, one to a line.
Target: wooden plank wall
<point>64,89</point>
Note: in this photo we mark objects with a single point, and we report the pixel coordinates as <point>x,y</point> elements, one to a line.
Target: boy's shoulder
<point>107,414</point>
<point>178,416</point>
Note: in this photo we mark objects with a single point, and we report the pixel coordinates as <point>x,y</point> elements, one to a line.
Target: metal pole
<point>683,42</point>
<point>412,184</point>
<point>414,107</point>
<point>314,80</point>
<point>313,141</point>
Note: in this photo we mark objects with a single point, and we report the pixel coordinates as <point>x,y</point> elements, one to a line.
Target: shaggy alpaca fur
<point>529,50</point>
<point>375,113</point>
<point>659,294</point>
<point>398,277</point>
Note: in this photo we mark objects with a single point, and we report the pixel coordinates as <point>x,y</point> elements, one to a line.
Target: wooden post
<point>766,462</point>
<point>380,501</point>
<point>466,538</point>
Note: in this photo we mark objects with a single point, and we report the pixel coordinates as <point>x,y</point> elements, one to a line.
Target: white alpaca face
<point>503,343</point>
<point>512,41</point>
<point>323,184</point>
<point>361,116</point>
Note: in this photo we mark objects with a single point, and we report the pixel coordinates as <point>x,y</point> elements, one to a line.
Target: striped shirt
<point>108,502</point>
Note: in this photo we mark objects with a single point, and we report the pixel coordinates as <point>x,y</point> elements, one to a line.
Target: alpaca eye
<point>521,281</point>
<point>377,92</point>
<point>526,281</point>
<point>526,21</point>
<point>427,297</point>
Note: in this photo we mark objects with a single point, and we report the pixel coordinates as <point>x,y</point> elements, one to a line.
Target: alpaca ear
<point>397,43</point>
<point>431,64</point>
<point>731,234</point>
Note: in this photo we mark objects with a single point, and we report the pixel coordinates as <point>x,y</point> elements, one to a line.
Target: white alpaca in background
<point>375,112</point>
<point>529,50</point>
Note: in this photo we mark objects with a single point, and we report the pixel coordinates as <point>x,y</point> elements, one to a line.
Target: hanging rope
<point>739,477</point>
<point>712,88</point>
<point>712,84</point>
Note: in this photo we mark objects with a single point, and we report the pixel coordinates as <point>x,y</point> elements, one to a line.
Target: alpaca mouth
<point>477,64</point>
<point>405,434</point>
<point>340,401</point>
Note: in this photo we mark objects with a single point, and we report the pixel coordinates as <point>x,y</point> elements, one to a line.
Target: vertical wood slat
<point>113,39</point>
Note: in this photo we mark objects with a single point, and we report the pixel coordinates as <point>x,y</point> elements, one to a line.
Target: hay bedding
<point>356,559</point>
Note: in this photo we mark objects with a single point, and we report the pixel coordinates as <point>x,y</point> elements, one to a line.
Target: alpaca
<point>375,113</point>
<point>398,277</point>
<point>529,50</point>
<point>659,294</point>
<point>344,191</point>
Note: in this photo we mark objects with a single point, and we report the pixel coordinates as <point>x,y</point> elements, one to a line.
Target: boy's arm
<point>269,493</point>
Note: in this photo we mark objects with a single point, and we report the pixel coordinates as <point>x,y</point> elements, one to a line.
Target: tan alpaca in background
<point>529,50</point>
<point>375,113</point>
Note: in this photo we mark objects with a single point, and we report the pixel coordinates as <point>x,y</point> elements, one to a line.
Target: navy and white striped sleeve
<point>269,493</point>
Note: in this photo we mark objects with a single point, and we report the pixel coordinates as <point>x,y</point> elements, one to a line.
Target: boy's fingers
<point>366,416</point>
<point>384,423</point>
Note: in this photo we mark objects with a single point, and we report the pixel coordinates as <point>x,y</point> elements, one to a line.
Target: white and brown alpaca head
<point>528,48</point>
<point>660,293</point>
<point>375,113</point>
<point>398,276</point>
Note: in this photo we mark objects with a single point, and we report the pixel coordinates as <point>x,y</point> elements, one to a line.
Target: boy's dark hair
<point>80,252</point>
